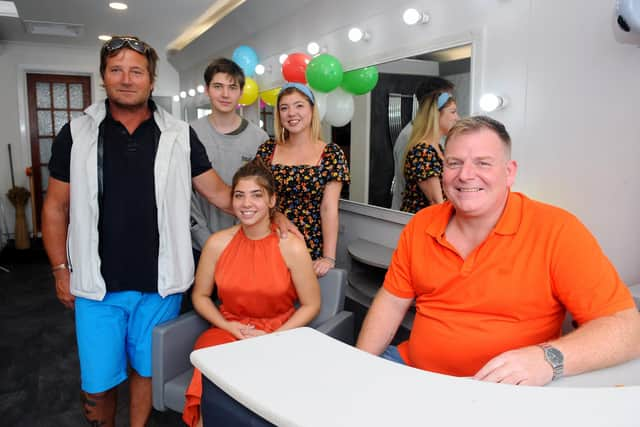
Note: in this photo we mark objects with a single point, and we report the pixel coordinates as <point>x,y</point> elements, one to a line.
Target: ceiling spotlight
<point>283,58</point>
<point>104,37</point>
<point>176,98</point>
<point>490,102</point>
<point>183,94</point>
<point>118,5</point>
<point>313,48</point>
<point>192,92</point>
<point>259,69</point>
<point>413,16</point>
<point>356,34</point>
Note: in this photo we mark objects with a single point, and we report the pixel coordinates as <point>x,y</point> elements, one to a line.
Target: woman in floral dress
<point>309,173</point>
<point>424,155</point>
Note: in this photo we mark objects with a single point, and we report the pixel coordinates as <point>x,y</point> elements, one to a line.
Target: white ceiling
<point>157,22</point>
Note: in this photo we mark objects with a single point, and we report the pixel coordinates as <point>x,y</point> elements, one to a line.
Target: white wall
<point>572,88</point>
<point>16,59</point>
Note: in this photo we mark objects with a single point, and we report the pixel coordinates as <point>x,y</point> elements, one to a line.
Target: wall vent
<point>53,28</point>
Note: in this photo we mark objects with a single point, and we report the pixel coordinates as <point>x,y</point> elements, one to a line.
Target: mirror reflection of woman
<point>424,154</point>
<point>309,173</point>
<point>259,276</point>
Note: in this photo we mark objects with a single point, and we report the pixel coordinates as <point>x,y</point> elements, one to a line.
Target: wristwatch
<point>555,358</point>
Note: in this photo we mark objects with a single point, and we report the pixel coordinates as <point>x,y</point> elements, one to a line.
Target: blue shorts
<point>117,330</point>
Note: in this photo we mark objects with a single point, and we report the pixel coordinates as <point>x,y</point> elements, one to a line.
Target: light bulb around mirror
<point>176,98</point>
<point>313,48</point>
<point>490,102</point>
<point>259,69</point>
<point>283,58</point>
<point>183,94</point>
<point>104,37</point>
<point>355,34</point>
<point>192,92</point>
<point>413,16</point>
<point>200,89</point>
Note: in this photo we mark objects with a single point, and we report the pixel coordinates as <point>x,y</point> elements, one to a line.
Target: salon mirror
<point>383,113</point>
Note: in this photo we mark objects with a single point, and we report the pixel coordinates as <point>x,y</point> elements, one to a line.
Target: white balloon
<point>339,108</point>
<point>321,103</point>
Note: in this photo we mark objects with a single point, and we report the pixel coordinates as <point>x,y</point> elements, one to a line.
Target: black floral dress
<point>300,189</point>
<point>422,163</point>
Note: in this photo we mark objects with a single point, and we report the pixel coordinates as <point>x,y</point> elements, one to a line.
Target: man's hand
<point>63,292</point>
<point>322,265</point>
<point>285,226</point>
<point>524,366</point>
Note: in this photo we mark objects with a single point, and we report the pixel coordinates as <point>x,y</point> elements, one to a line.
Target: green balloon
<point>360,81</point>
<point>324,73</point>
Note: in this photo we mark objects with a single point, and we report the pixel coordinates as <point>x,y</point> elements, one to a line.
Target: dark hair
<point>258,170</point>
<point>432,85</point>
<point>477,123</point>
<point>225,66</point>
<point>150,53</point>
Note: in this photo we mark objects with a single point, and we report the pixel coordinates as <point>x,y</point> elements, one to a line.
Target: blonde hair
<point>478,123</point>
<point>426,125</point>
<point>281,133</point>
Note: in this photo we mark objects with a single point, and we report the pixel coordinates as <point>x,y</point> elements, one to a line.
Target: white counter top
<point>304,378</point>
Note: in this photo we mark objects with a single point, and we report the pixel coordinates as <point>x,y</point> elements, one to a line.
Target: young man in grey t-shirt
<point>230,141</point>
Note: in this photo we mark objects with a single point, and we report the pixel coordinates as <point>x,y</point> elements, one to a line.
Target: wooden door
<point>53,100</point>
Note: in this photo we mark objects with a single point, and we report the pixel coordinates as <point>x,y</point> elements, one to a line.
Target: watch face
<point>554,356</point>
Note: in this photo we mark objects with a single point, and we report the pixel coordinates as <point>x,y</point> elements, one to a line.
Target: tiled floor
<point>39,372</point>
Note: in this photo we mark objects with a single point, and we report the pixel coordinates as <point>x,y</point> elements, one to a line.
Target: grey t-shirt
<point>227,153</point>
<point>399,148</point>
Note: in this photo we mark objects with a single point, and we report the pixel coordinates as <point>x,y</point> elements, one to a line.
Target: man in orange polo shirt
<point>493,274</point>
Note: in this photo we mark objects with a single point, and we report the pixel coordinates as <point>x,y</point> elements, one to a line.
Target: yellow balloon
<point>270,97</point>
<point>249,93</point>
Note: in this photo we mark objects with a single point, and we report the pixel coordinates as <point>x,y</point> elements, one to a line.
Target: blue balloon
<point>246,58</point>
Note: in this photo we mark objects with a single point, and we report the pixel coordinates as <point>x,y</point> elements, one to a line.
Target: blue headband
<point>442,99</point>
<point>302,88</point>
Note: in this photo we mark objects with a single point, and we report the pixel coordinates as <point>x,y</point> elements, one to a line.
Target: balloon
<point>321,103</point>
<point>360,81</point>
<point>324,73</point>
<point>294,67</point>
<point>246,58</point>
<point>270,97</point>
<point>249,93</point>
<point>339,108</point>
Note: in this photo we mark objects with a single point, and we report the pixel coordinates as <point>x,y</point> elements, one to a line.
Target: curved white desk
<point>304,378</point>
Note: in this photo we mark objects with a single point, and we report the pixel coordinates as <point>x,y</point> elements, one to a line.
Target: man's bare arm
<point>597,344</point>
<point>382,321</point>
<point>55,224</point>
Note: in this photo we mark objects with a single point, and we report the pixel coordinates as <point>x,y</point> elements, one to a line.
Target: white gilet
<point>172,178</point>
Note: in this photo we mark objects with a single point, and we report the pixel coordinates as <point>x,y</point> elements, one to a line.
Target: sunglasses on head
<point>117,43</point>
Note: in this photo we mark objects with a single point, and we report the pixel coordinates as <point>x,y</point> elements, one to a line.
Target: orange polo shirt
<point>510,292</point>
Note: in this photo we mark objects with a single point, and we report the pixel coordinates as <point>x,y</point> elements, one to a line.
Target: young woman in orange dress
<point>258,276</point>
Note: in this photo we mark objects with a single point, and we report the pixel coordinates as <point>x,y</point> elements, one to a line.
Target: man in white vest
<point>116,225</point>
